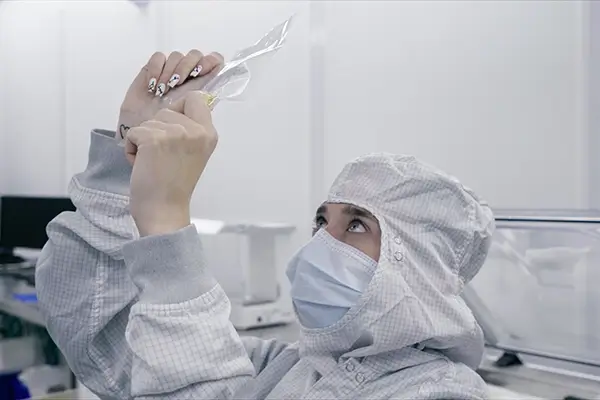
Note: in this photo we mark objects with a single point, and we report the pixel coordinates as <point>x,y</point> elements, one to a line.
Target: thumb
<point>133,140</point>
<point>194,106</point>
<point>130,151</point>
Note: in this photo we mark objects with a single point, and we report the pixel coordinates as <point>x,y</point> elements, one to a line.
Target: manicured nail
<point>196,71</point>
<point>174,80</point>
<point>161,90</point>
<point>152,85</point>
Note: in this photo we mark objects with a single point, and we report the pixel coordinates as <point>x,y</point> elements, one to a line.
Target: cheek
<point>370,247</point>
<point>374,251</point>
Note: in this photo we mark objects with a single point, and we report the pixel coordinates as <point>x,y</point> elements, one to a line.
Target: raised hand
<point>173,77</point>
<point>169,153</point>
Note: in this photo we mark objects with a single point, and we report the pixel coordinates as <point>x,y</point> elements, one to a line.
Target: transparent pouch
<point>233,80</point>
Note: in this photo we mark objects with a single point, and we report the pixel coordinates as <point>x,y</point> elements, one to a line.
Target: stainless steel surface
<point>535,380</point>
<point>551,215</point>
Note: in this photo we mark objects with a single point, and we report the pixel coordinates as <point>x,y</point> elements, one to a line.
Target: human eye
<point>319,222</point>
<point>357,226</point>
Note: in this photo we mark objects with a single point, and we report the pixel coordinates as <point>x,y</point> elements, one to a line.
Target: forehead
<point>345,209</point>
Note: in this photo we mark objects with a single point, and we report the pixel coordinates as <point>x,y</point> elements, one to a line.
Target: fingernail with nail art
<point>196,71</point>
<point>152,85</point>
<point>161,90</point>
<point>174,80</point>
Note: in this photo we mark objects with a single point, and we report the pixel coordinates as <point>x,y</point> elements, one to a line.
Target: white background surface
<point>493,92</point>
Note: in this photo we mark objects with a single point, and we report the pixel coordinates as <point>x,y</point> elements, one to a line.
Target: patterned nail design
<point>152,85</point>
<point>174,80</point>
<point>161,90</point>
<point>196,71</point>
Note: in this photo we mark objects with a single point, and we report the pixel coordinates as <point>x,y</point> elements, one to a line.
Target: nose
<point>337,231</point>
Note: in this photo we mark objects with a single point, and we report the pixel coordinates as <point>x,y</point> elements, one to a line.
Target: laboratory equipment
<point>537,299</point>
<point>23,223</point>
<point>248,260</point>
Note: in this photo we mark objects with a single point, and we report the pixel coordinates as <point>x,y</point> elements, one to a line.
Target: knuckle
<point>135,131</point>
<point>163,114</point>
<point>206,135</point>
<point>210,59</point>
<point>155,140</point>
<point>212,142</point>
<point>194,94</point>
<point>157,57</point>
<point>195,53</point>
<point>160,136</point>
<point>177,130</point>
<point>217,56</point>
<point>176,54</point>
<point>213,137</point>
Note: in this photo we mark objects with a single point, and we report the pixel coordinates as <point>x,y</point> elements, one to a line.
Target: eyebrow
<point>349,210</point>
<point>358,212</point>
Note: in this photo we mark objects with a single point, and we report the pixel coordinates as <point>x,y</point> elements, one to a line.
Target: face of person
<point>351,225</point>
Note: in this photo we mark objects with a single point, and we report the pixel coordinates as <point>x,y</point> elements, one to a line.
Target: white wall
<point>73,72</point>
<point>3,72</point>
<point>261,168</point>
<point>494,92</point>
<point>99,64</point>
<point>593,22</point>
<point>594,149</point>
<point>32,131</point>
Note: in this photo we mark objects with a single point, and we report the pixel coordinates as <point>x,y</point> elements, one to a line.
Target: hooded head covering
<point>435,235</point>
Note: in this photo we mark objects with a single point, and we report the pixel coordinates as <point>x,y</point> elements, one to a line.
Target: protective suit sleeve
<point>183,344</point>
<point>83,289</point>
<point>86,294</point>
<point>261,351</point>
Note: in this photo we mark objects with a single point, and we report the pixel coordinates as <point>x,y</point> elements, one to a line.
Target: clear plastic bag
<point>232,81</point>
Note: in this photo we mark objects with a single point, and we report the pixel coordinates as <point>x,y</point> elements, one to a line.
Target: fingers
<point>211,65</point>
<point>146,79</point>
<point>170,117</point>
<point>185,68</point>
<point>194,106</point>
<point>133,140</point>
<point>190,113</point>
<point>167,72</point>
<point>191,130</point>
<point>161,73</point>
<point>149,133</point>
<point>154,69</point>
<point>208,63</point>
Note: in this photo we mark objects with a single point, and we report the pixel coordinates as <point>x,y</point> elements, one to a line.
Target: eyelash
<point>321,219</point>
<point>317,221</point>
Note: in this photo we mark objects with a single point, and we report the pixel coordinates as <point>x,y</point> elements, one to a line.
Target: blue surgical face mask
<point>328,277</point>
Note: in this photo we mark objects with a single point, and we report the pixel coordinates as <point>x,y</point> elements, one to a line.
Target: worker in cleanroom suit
<point>129,301</point>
